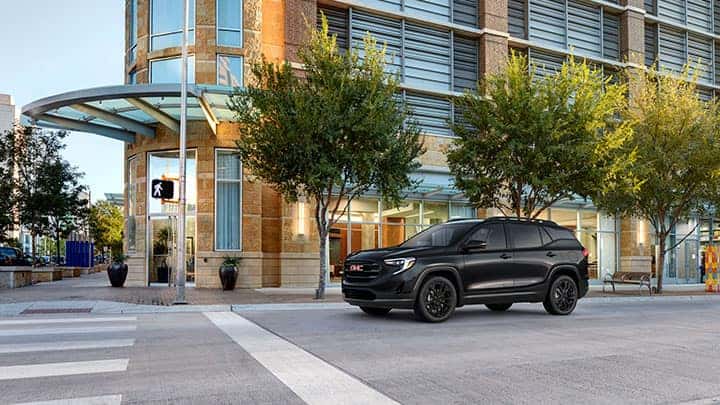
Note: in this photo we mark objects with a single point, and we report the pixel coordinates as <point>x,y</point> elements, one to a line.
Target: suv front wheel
<point>562,296</point>
<point>436,300</point>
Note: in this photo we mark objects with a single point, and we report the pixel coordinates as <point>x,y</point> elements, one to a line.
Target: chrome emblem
<point>355,267</point>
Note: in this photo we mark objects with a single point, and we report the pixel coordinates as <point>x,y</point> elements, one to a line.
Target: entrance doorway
<point>163,220</point>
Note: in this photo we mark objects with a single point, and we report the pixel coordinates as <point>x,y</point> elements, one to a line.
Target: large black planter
<point>163,272</point>
<point>117,272</point>
<point>228,277</point>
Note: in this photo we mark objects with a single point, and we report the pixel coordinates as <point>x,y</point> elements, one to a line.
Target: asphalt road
<point>658,351</point>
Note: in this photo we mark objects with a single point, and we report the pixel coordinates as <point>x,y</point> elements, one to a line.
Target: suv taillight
<point>585,252</point>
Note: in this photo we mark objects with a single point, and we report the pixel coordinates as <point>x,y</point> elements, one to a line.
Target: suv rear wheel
<point>436,300</point>
<point>499,307</point>
<point>562,296</point>
<point>375,311</point>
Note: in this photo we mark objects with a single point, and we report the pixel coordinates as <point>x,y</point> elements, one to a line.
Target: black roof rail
<point>464,219</point>
<point>516,219</point>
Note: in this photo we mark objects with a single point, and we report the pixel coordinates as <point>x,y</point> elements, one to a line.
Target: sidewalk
<point>95,288</point>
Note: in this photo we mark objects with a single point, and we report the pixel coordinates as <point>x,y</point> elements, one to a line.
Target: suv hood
<point>389,253</point>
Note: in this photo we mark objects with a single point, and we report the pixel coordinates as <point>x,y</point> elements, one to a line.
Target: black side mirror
<point>475,245</point>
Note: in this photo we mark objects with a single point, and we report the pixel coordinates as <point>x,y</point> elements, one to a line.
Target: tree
<point>58,183</point>
<point>7,185</point>
<point>106,225</point>
<point>676,140</point>
<point>33,151</point>
<point>330,135</point>
<point>527,141</point>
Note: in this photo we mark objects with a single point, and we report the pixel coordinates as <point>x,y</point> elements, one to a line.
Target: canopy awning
<point>121,112</point>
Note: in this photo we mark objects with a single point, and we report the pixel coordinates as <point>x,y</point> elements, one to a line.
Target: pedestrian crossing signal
<point>163,189</point>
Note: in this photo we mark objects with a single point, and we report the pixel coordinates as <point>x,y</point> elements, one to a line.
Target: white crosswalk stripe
<point>102,400</point>
<point>64,345</point>
<point>66,330</point>
<point>326,385</point>
<point>57,369</point>
<point>65,337</point>
<point>66,320</point>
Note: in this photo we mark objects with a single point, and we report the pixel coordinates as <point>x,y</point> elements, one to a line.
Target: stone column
<point>143,42</point>
<point>205,42</point>
<point>493,20</point>
<point>299,17</point>
<point>632,41</point>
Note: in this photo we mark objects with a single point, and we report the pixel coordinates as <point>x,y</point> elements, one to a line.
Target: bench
<point>15,276</point>
<point>628,277</point>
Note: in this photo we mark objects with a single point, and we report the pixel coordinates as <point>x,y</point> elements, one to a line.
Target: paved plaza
<point>625,350</point>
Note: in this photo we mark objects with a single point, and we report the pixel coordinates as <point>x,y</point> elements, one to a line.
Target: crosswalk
<point>27,345</point>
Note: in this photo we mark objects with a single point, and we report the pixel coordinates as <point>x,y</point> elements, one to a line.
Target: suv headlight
<point>403,263</point>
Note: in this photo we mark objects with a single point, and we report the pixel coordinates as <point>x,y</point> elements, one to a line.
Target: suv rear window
<point>524,236</point>
<point>557,233</point>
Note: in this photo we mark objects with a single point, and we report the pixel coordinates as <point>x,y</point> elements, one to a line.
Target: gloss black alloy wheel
<point>562,296</point>
<point>436,300</point>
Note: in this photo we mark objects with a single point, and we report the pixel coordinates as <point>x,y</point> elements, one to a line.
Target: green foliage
<point>7,185</point>
<point>119,257</point>
<point>676,142</point>
<point>106,225</point>
<point>230,261</point>
<point>332,132</point>
<point>45,190</point>
<point>527,142</point>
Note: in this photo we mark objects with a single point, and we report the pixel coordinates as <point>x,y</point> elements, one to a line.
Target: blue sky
<point>49,47</point>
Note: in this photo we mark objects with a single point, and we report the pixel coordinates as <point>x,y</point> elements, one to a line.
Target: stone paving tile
<point>94,287</point>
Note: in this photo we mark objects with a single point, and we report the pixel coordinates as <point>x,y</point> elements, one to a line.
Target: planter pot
<point>163,272</point>
<point>228,277</point>
<point>117,273</point>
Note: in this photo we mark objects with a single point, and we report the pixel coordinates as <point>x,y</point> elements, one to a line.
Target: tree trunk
<point>660,263</point>
<point>324,265</point>
<point>57,248</point>
<point>33,247</point>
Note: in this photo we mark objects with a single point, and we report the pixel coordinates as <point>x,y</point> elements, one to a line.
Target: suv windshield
<point>441,235</point>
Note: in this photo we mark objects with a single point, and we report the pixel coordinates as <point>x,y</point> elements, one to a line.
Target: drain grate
<point>56,311</point>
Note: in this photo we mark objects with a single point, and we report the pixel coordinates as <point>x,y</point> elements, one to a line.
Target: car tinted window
<point>524,236</point>
<point>492,234</point>
<point>559,233</point>
<point>440,235</point>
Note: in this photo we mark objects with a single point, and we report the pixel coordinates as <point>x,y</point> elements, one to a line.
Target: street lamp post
<point>180,274</point>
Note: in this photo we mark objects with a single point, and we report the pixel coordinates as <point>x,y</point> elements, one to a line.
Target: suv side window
<point>492,234</point>
<point>524,236</point>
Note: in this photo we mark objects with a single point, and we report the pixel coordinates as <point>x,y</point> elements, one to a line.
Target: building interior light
<point>301,218</point>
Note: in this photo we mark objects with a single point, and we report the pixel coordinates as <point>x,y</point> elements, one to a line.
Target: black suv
<point>496,262</point>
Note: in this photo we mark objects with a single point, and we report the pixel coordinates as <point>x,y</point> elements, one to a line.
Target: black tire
<point>436,300</point>
<point>499,307</point>
<point>375,311</point>
<point>562,297</point>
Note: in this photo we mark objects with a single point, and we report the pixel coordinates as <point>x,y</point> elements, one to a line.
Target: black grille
<point>358,294</point>
<point>369,271</point>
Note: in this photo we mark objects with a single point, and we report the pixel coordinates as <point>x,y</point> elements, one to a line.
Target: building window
<point>132,77</point>
<point>132,31</point>
<point>170,70</point>
<point>131,203</point>
<point>229,23</point>
<point>228,200</point>
<point>230,70</point>
<point>167,23</point>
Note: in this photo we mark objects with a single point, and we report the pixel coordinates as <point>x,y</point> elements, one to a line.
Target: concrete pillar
<point>492,16</point>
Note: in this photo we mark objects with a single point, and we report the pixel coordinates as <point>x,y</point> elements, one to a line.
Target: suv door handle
<point>550,254</point>
<point>505,256</point>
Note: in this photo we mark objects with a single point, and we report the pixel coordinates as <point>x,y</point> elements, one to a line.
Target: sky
<point>49,47</point>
